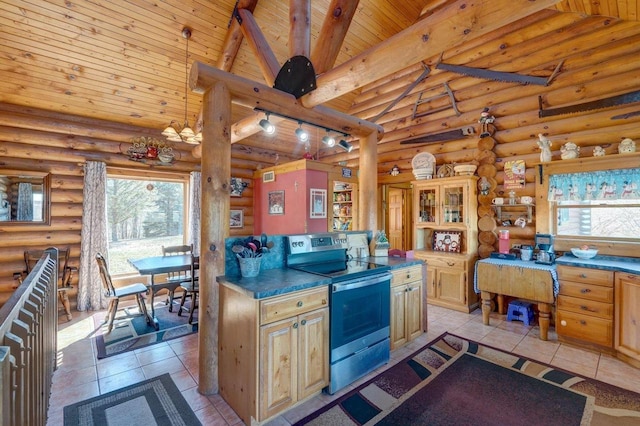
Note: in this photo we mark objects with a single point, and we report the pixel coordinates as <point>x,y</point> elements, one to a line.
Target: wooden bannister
<point>28,335</point>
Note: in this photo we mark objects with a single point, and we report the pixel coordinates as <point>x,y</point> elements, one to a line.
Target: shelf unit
<point>513,211</point>
<point>344,206</point>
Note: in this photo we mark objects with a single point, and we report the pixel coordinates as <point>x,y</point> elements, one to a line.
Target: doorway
<point>398,216</point>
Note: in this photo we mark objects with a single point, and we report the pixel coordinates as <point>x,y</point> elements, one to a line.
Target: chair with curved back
<point>191,289</point>
<point>114,294</point>
<point>65,273</point>
<point>176,277</point>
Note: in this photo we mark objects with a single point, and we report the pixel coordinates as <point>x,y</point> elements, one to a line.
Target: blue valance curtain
<point>598,185</point>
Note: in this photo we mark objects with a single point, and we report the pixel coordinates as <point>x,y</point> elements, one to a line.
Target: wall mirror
<point>25,197</point>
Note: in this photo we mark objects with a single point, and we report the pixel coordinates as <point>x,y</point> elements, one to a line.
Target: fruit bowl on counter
<point>584,253</point>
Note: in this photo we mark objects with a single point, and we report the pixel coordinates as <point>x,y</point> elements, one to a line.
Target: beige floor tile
<point>118,364</point>
<point>209,416</point>
<point>172,365</point>
<point>72,394</point>
<point>155,354</point>
<point>578,356</point>
<point>196,400</point>
<point>120,380</point>
<point>66,378</point>
<point>619,373</point>
<point>536,349</point>
<point>502,339</point>
<point>183,380</point>
<point>573,367</point>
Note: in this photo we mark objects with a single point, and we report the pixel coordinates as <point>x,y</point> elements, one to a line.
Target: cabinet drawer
<point>406,275</point>
<point>587,307</point>
<point>587,291</point>
<point>294,304</point>
<point>452,263</point>
<point>585,327</point>
<point>585,275</point>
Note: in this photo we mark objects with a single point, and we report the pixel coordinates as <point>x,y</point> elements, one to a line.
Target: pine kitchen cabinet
<point>406,305</point>
<point>273,352</point>
<point>627,317</point>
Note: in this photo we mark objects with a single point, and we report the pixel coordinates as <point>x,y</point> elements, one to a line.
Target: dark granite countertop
<point>395,262</point>
<point>275,282</point>
<point>609,263</point>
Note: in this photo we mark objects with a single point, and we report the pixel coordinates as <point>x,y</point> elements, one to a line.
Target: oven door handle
<point>361,282</point>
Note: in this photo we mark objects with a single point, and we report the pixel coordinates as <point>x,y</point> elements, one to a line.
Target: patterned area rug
<point>453,381</point>
<point>153,402</point>
<point>134,332</point>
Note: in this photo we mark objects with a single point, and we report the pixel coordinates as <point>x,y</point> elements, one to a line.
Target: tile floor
<point>80,375</point>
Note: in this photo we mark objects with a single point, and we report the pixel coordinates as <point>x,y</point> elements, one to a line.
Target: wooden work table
<point>522,279</point>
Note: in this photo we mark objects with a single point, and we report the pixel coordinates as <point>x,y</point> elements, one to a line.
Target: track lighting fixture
<point>329,140</point>
<point>302,134</point>
<point>267,126</point>
<point>345,145</point>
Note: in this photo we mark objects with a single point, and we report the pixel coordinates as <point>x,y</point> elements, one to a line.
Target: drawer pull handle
<point>583,275</point>
<point>295,325</point>
<point>583,322</point>
<point>299,304</point>
<point>585,308</point>
<point>450,263</point>
<point>303,322</point>
<point>408,275</point>
<point>324,301</point>
<point>585,290</point>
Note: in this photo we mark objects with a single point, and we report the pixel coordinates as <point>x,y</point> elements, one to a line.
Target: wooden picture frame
<point>276,202</point>
<point>317,203</point>
<point>236,219</point>
<point>269,176</point>
<point>447,241</point>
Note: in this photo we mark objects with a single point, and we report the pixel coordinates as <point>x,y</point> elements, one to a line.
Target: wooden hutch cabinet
<point>446,237</point>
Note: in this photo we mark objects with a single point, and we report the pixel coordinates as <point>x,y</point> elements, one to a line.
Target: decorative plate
<point>446,170</point>
<point>424,160</point>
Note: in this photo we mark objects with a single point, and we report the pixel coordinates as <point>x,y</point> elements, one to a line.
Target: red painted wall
<point>295,217</point>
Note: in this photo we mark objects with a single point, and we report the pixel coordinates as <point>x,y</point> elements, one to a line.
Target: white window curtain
<point>94,236</point>
<point>194,211</point>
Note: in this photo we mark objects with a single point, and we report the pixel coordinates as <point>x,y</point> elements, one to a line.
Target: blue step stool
<point>520,311</point>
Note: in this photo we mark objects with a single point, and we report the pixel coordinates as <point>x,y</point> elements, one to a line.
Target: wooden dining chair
<point>114,294</point>
<point>65,274</point>
<point>176,277</point>
<point>191,289</point>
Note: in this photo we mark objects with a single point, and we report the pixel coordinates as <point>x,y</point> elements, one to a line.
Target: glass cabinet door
<point>428,204</point>
<point>452,204</point>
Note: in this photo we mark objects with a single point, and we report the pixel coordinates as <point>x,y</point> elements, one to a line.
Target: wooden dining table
<point>157,265</point>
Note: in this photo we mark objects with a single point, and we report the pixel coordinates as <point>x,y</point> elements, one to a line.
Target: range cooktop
<point>343,270</point>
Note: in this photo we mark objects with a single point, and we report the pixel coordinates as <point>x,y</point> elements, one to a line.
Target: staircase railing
<point>28,335</point>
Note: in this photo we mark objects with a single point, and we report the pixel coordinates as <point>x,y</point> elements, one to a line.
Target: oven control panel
<point>309,243</point>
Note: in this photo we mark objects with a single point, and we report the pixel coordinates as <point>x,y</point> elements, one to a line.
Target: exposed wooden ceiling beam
<point>258,43</point>
<point>251,94</point>
<point>299,28</point>
<point>233,39</point>
<point>334,29</point>
<point>440,31</point>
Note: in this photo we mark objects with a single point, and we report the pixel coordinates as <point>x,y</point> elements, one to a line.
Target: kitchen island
<point>274,338</point>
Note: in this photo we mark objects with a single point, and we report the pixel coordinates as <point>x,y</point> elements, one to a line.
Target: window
<point>600,204</point>
<point>142,216</point>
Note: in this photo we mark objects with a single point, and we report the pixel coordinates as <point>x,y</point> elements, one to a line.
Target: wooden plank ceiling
<point>124,60</point>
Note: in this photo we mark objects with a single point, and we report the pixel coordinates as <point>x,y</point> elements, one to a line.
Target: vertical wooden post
<point>214,227</point>
<point>368,182</point>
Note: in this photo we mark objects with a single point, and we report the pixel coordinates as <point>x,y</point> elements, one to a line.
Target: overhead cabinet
<point>446,237</point>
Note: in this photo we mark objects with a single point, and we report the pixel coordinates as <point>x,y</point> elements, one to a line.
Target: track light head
<point>328,141</point>
<point>345,145</point>
<point>267,126</point>
<point>302,134</point>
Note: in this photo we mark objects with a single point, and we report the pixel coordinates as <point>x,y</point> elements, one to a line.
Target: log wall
<point>59,144</point>
<point>600,58</point>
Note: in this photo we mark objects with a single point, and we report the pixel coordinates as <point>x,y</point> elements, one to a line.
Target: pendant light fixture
<point>185,134</point>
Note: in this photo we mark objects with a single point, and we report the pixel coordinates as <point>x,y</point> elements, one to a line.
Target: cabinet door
<point>413,298</point>
<point>313,352</point>
<point>451,285</point>
<point>452,202</point>
<point>427,205</point>
<point>398,316</point>
<point>278,366</point>
<point>627,330</point>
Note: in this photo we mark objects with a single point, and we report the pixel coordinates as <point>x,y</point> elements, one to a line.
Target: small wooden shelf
<point>512,210</point>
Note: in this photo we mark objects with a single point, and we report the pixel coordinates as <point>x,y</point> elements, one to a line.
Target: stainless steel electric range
<point>359,304</point>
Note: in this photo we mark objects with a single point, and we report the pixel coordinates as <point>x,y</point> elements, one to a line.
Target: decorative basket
<point>249,266</point>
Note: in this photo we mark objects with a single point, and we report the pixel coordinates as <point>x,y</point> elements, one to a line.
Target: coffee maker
<point>544,244</point>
